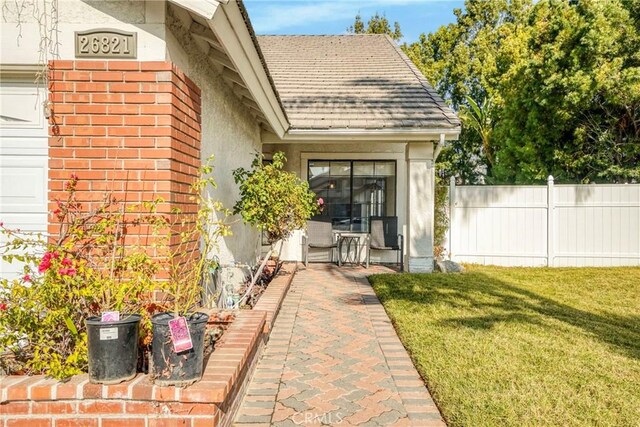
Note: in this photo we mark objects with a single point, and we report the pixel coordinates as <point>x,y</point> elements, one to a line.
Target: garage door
<point>23,161</point>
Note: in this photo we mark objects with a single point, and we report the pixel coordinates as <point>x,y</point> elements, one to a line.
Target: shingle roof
<point>351,82</point>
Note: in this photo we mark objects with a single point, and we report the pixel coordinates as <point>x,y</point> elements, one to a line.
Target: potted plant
<point>60,317</point>
<point>117,329</point>
<point>187,245</point>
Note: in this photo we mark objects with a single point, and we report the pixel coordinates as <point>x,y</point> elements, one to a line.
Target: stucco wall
<point>20,44</point>
<point>228,132</point>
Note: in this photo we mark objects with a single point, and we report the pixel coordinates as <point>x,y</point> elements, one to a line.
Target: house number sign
<point>105,43</point>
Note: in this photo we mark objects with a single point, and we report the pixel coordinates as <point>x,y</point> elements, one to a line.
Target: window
<point>353,191</point>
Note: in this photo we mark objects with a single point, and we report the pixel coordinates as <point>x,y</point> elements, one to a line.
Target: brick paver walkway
<point>333,358</point>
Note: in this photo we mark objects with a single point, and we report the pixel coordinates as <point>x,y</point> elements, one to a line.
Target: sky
<point>334,16</point>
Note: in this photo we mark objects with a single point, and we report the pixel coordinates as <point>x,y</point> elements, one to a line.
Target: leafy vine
<point>46,14</point>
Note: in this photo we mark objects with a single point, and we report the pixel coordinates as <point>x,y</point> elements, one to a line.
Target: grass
<point>523,346</point>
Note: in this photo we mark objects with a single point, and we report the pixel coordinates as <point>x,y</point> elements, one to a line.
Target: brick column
<point>131,128</point>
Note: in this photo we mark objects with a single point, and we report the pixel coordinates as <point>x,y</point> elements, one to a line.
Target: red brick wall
<point>127,127</point>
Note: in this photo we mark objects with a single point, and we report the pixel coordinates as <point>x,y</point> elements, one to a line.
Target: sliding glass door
<point>354,191</point>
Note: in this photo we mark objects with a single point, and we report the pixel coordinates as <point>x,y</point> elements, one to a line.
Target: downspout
<point>439,147</point>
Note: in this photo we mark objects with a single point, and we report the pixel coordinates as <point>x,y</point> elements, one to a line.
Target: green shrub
<point>186,244</point>
<point>272,199</point>
<point>440,217</point>
<point>89,269</point>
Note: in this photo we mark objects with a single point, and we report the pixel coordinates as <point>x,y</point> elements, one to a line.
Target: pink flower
<point>26,278</point>
<point>3,306</point>
<point>67,262</point>
<point>1,224</point>
<point>320,201</point>
<point>45,264</point>
<point>71,184</point>
<point>67,271</point>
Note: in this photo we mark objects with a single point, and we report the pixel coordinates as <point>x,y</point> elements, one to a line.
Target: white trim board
<point>318,155</point>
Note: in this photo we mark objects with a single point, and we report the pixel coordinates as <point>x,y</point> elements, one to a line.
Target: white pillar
<point>420,194</point>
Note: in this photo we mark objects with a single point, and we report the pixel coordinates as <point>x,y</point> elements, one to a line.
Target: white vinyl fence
<point>553,225</point>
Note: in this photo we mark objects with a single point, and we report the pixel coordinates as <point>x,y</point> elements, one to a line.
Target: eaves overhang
<point>222,27</point>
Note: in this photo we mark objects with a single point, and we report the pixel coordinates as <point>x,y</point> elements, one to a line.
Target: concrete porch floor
<point>333,358</point>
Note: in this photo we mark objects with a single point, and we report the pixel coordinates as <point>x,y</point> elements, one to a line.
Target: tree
<point>572,109</point>
<point>478,118</point>
<point>564,83</point>
<point>377,24</point>
<point>464,61</point>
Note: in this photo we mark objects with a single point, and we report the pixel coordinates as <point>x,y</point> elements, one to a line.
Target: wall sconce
<point>332,184</point>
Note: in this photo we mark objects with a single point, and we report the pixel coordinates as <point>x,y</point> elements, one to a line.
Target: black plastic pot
<point>113,349</point>
<point>169,367</point>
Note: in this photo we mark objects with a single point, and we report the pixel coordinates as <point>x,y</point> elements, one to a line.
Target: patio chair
<point>319,235</point>
<point>384,237</point>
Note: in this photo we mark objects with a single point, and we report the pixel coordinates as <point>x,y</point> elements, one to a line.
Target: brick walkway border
<point>271,300</point>
<point>334,353</point>
<point>417,400</point>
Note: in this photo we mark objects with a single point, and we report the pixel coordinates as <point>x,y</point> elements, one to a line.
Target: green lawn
<point>523,346</point>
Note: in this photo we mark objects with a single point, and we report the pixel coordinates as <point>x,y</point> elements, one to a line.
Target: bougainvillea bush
<point>83,271</point>
<point>188,245</point>
<point>91,267</point>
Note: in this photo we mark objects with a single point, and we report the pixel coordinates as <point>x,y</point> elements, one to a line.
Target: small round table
<point>349,248</point>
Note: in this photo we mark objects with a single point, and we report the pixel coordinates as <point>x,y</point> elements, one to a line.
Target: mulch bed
<point>270,271</point>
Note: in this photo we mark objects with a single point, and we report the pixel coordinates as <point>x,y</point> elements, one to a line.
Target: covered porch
<point>365,130</point>
<point>364,181</point>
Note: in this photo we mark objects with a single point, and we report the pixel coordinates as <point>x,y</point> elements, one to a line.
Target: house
<point>139,92</point>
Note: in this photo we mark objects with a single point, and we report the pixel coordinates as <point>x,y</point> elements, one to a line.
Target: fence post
<point>550,217</point>
<point>452,203</point>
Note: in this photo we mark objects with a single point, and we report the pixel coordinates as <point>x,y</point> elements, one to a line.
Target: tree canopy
<point>377,24</point>
<point>547,87</point>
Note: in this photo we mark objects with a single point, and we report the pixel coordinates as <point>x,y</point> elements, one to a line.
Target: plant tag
<point>110,316</point>
<point>180,335</point>
<point>107,334</point>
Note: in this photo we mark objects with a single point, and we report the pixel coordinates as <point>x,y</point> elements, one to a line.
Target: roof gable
<point>352,82</point>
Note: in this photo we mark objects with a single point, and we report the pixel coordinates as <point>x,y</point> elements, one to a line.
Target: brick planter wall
<point>128,127</point>
<point>271,300</point>
<point>37,401</point>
